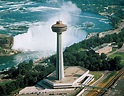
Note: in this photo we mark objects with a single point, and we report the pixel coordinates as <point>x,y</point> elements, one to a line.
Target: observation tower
<point>64,81</point>
<point>59,27</point>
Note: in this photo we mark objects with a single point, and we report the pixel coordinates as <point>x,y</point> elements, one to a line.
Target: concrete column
<point>59,60</point>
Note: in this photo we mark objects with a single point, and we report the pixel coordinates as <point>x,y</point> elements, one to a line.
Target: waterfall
<point>40,37</point>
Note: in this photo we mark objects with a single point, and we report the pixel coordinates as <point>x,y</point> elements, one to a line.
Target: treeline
<point>96,41</point>
<point>117,17</point>
<point>104,2</point>
<point>26,74</point>
<point>81,54</point>
<point>92,61</point>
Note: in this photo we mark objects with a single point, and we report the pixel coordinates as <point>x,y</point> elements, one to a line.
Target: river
<point>29,22</point>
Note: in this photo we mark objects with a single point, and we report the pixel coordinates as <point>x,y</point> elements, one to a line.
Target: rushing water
<point>30,24</point>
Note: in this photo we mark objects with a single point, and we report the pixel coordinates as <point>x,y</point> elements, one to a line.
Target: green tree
<point>120,44</point>
<point>12,72</point>
<point>103,56</point>
<point>3,90</point>
<point>106,65</point>
<point>39,68</point>
<point>10,87</point>
<point>31,78</point>
<point>20,81</point>
<point>81,63</point>
<point>115,63</point>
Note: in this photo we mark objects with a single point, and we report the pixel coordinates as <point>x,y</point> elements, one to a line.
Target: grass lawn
<point>97,74</point>
<point>109,76</point>
<point>81,49</point>
<point>117,54</point>
<point>5,82</point>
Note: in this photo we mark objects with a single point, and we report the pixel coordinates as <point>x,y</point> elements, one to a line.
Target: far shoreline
<point>108,32</point>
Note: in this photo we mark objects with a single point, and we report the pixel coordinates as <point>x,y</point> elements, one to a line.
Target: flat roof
<point>71,74</point>
<point>101,46</point>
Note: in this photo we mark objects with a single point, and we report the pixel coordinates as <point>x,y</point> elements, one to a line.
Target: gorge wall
<point>6,41</point>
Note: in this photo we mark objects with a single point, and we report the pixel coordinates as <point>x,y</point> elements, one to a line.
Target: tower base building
<point>75,77</point>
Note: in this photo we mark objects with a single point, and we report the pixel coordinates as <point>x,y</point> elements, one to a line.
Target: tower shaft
<point>59,60</point>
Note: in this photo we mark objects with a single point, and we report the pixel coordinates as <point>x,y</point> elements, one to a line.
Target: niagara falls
<point>29,22</point>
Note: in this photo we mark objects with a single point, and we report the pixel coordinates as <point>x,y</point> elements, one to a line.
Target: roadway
<point>102,92</point>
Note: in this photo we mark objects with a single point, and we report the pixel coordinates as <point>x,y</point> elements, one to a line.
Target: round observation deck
<point>59,27</point>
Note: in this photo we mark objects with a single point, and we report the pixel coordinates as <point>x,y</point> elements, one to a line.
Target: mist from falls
<point>40,37</point>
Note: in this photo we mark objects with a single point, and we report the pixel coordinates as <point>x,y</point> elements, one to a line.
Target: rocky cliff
<point>6,41</point>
